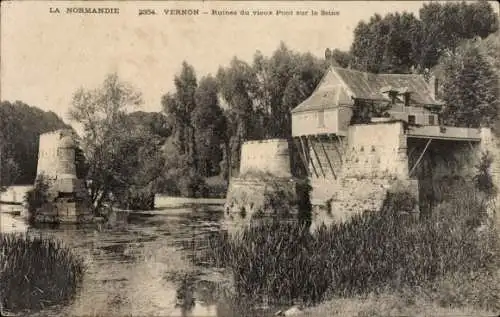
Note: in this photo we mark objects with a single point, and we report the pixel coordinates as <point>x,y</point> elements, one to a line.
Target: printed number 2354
<point>147,12</point>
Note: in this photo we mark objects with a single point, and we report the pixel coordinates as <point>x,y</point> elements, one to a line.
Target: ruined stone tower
<point>68,199</point>
<point>264,170</point>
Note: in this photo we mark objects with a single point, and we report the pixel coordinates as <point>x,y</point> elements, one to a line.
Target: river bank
<point>389,305</point>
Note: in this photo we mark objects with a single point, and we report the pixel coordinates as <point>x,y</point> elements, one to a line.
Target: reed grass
<point>371,253</point>
<point>36,272</point>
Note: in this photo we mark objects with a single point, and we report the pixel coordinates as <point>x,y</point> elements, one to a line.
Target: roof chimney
<point>434,86</point>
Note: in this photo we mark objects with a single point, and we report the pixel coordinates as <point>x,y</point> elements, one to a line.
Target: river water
<point>153,265</point>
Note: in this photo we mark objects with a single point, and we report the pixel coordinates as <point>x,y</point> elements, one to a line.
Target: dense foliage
<point>470,83</point>
<point>9,170</point>
<point>398,42</point>
<point>370,253</point>
<point>211,118</point>
<point>36,272</point>
<point>37,196</point>
<point>338,57</point>
<point>120,154</point>
<point>456,42</point>
<point>194,149</point>
<point>20,127</point>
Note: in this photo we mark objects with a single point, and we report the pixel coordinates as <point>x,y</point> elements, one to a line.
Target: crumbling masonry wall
<point>380,158</point>
<point>267,156</point>
<point>51,160</point>
<point>374,162</point>
<point>68,198</point>
<point>376,150</point>
<point>264,170</point>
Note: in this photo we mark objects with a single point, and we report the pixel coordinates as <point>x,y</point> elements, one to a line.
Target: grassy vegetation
<point>373,253</point>
<point>36,272</point>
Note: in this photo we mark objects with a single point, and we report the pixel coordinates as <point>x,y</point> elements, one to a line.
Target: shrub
<point>192,185</point>
<point>137,199</point>
<point>182,182</point>
<point>38,195</point>
<point>369,253</point>
<point>279,198</point>
<point>303,192</point>
<point>483,179</point>
<point>36,272</point>
<point>217,187</point>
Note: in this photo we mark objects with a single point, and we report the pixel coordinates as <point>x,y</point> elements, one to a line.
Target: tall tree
<point>176,119</point>
<point>238,87</point>
<point>113,147</point>
<point>260,97</point>
<point>154,122</point>
<point>183,172</point>
<point>400,41</point>
<point>470,87</point>
<point>209,124</point>
<point>386,44</point>
<point>179,108</point>
<point>283,75</point>
<point>446,25</point>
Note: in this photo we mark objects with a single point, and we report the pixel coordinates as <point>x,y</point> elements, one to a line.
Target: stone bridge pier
<point>68,197</point>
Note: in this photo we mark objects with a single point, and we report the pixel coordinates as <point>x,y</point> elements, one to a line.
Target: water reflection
<point>154,265</point>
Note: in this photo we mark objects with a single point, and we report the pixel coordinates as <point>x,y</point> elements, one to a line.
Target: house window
<point>394,96</point>
<point>411,119</point>
<point>407,99</point>
<point>321,119</point>
<point>431,120</point>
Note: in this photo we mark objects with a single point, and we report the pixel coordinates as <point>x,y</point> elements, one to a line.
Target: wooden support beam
<point>420,157</point>
<point>304,149</point>
<point>328,159</point>
<point>342,144</point>
<point>411,152</point>
<point>301,154</point>
<point>307,157</point>
<point>340,152</point>
<point>340,140</point>
<point>317,158</point>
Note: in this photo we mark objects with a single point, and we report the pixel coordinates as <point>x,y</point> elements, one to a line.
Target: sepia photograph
<point>250,158</point>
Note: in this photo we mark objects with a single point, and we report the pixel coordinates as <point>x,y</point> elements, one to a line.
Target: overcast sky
<point>45,57</point>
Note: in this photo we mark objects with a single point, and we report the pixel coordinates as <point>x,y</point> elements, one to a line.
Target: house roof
<point>328,94</point>
<point>363,85</point>
<point>368,85</point>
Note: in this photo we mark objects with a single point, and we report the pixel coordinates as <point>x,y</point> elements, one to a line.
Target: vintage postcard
<point>249,158</point>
